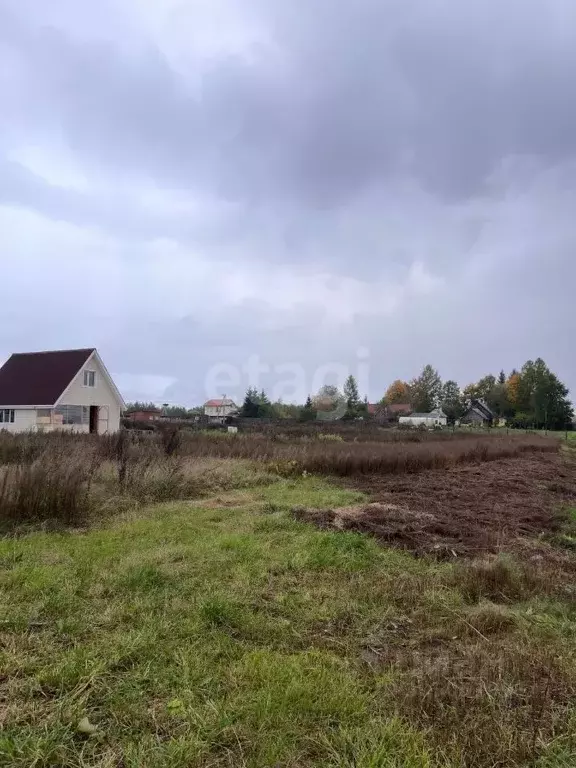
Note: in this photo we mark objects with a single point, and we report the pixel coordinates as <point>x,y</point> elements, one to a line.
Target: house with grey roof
<point>478,413</point>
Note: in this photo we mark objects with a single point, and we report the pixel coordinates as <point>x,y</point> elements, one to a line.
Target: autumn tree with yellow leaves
<point>397,392</point>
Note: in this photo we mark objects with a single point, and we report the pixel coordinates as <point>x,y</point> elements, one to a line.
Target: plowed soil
<point>465,510</point>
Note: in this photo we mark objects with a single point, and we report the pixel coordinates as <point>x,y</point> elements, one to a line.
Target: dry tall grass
<point>64,478</point>
<point>52,487</point>
<point>345,458</point>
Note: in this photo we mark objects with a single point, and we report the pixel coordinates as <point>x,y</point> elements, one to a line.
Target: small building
<point>219,410</point>
<point>389,413</point>
<point>68,390</point>
<point>436,418</point>
<point>478,413</point>
<point>145,414</point>
<point>376,410</point>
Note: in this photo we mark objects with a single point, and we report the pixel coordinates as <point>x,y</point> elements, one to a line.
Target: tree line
<point>532,397</point>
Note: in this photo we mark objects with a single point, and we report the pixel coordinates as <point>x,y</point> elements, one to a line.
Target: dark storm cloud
<point>347,94</point>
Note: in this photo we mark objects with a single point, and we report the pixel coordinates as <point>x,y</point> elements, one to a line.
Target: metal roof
<point>39,378</point>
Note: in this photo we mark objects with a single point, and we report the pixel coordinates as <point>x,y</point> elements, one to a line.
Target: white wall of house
<point>24,420</point>
<point>219,411</point>
<point>427,421</point>
<point>101,394</point>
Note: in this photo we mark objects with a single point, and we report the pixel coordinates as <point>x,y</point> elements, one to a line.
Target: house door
<point>103,416</point>
<point>94,419</point>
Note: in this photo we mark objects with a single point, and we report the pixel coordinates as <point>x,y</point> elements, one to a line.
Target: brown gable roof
<point>405,408</point>
<point>39,378</point>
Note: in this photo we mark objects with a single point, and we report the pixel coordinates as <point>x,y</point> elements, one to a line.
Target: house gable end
<point>104,392</point>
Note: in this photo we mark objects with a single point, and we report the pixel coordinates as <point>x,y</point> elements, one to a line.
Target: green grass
<point>224,633</point>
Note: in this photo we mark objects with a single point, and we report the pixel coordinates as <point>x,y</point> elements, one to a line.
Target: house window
<point>6,416</point>
<point>73,414</point>
<point>89,378</point>
<point>43,413</point>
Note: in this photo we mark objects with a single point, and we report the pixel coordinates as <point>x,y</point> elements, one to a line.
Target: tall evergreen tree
<point>351,392</point>
<point>352,397</point>
<point>250,408</point>
<point>308,413</point>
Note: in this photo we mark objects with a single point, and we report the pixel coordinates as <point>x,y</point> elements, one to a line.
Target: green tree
<point>286,410</point>
<point>543,396</point>
<point>452,401</point>
<point>175,411</point>
<point>249,408</point>
<point>352,397</point>
<point>308,413</point>
<point>138,406</point>
<point>363,407</point>
<point>265,407</point>
<point>426,390</point>
<point>351,392</point>
<point>498,401</point>
<point>501,378</point>
<point>482,389</point>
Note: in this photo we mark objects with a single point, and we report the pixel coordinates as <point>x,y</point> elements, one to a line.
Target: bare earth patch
<point>463,510</point>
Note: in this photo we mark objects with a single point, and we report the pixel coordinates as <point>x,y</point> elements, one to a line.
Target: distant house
<point>389,413</point>
<point>436,418</point>
<point>145,414</point>
<point>67,390</point>
<point>218,410</point>
<point>376,410</point>
<point>478,413</point>
<point>395,410</point>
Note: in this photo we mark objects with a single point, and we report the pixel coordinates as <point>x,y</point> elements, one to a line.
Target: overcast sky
<point>375,184</point>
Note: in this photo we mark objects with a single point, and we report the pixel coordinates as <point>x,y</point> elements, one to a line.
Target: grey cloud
<point>361,138</point>
<point>350,94</point>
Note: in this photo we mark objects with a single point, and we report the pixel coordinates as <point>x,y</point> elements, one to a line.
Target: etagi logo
<point>292,382</point>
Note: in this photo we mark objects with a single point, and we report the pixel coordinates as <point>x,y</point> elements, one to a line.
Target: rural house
<point>388,413</point>
<point>478,413</point>
<point>218,410</point>
<point>436,418</point>
<point>67,390</point>
<point>144,414</point>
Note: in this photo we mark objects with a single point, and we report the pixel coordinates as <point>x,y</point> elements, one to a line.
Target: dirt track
<point>465,510</point>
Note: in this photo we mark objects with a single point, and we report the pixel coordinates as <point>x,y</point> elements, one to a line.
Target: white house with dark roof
<point>436,418</point>
<point>67,390</point>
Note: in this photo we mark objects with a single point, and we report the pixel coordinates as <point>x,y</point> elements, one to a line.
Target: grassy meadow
<point>216,630</point>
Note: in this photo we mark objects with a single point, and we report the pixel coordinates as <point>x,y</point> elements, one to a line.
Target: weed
<point>50,489</point>
<point>499,579</point>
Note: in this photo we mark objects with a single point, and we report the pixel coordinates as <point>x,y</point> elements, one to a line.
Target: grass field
<point>224,633</point>
<point>164,604</point>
